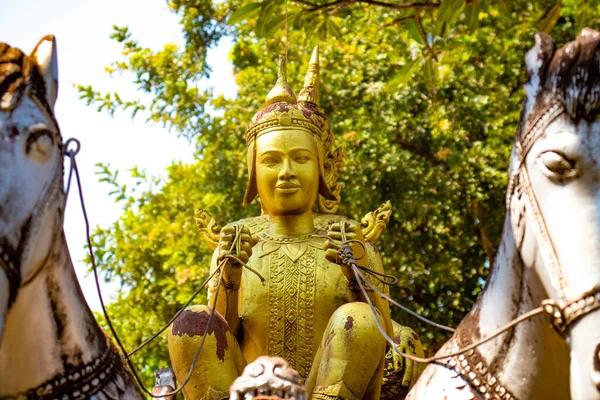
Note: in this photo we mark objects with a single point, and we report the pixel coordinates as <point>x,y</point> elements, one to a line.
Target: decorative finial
<point>310,92</point>
<point>282,92</point>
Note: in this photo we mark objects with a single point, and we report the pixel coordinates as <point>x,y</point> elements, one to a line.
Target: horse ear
<point>44,54</point>
<point>537,61</point>
<point>539,56</point>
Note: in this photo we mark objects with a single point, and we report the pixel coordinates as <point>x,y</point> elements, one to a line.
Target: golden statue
<point>292,300</point>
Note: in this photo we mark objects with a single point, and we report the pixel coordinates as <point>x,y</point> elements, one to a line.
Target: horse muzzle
<point>584,341</point>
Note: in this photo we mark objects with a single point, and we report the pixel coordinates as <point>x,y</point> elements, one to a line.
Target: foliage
<point>425,99</point>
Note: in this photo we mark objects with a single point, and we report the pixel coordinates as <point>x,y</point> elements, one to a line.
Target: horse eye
<point>40,140</point>
<point>557,164</point>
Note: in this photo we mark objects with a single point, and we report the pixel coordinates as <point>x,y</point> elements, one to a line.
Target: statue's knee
<point>359,321</point>
<point>194,321</point>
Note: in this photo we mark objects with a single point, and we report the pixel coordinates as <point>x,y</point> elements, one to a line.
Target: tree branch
<point>485,237</point>
<point>403,6</point>
<point>398,21</point>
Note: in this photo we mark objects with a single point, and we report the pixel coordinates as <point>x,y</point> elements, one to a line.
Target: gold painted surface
<point>373,224</point>
<point>293,300</point>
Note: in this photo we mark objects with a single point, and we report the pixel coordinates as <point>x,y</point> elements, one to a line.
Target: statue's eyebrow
<point>287,151</point>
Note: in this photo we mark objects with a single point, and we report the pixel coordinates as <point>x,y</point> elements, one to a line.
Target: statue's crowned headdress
<point>284,111</point>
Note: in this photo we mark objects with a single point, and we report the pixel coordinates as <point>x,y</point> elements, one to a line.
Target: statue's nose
<point>596,371</point>
<point>287,170</point>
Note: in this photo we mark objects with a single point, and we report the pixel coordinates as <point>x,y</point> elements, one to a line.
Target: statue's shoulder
<point>372,224</point>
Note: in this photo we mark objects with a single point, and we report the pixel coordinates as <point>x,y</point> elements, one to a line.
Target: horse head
<point>554,193</point>
<point>31,167</point>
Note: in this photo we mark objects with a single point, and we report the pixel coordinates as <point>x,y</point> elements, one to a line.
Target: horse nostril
<point>596,372</point>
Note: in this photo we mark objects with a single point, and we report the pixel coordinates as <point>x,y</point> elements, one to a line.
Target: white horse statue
<point>50,345</point>
<point>550,248</point>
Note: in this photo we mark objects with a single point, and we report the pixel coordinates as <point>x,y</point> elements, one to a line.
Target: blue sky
<point>82,29</point>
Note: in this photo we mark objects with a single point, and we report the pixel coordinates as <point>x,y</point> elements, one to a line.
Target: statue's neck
<point>291,225</point>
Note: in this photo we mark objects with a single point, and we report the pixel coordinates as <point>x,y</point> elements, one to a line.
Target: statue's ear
<point>44,54</point>
<point>251,189</point>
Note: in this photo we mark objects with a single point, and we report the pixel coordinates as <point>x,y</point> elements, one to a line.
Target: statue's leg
<point>349,362</point>
<point>220,362</point>
<point>401,374</point>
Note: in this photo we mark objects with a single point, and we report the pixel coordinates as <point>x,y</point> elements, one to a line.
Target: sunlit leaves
<point>427,122</point>
<point>550,18</point>
<point>243,12</point>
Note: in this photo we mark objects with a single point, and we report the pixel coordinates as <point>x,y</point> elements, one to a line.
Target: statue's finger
<point>353,226</point>
<point>246,237</point>
<point>254,239</point>
<point>228,229</point>
<point>247,247</point>
<point>226,237</point>
<point>335,226</point>
<point>331,255</point>
<point>335,235</point>
<point>243,256</point>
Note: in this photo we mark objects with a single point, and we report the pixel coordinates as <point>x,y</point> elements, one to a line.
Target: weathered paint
<point>194,323</point>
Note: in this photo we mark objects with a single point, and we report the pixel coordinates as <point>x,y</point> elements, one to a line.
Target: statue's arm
<point>378,301</point>
<point>227,301</point>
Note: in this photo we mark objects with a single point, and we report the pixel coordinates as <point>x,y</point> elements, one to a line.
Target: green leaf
<point>550,18</point>
<point>263,18</point>
<point>333,28</point>
<point>405,73</point>
<point>297,20</point>
<point>472,15</point>
<point>322,31</point>
<point>448,12</point>
<point>273,25</point>
<point>430,73</point>
<point>243,12</point>
<point>411,25</point>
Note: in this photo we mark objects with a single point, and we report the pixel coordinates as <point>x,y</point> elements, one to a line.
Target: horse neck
<point>531,360</point>
<point>49,328</point>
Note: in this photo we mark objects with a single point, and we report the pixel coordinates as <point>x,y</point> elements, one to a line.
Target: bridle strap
<point>79,382</point>
<point>13,272</point>
<point>522,185</point>
<point>565,315</point>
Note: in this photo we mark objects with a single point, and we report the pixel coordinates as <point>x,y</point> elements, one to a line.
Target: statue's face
<point>287,171</point>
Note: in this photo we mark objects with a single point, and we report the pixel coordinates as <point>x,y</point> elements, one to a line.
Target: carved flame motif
<point>334,165</point>
<point>375,222</point>
<point>268,378</point>
<point>208,229</point>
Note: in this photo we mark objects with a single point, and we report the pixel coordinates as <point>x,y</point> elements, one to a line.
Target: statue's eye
<point>269,160</point>
<point>557,166</point>
<point>40,142</point>
<point>302,159</point>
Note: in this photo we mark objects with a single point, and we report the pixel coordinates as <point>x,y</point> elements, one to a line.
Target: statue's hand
<point>354,238</point>
<point>232,270</point>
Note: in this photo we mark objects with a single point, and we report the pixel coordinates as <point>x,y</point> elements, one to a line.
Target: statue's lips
<point>287,188</point>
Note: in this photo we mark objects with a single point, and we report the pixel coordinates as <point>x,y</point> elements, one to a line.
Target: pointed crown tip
<point>282,92</point>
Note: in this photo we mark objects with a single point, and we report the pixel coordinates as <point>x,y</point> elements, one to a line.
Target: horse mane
<point>571,76</point>
<point>19,74</point>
